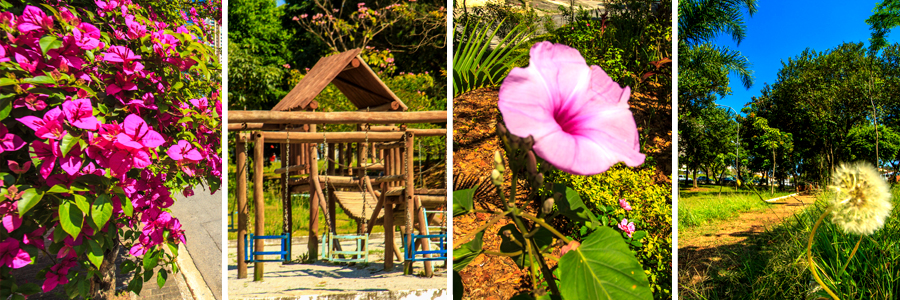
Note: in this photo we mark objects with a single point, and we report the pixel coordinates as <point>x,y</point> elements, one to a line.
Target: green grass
<point>718,203</point>
<point>773,265</point>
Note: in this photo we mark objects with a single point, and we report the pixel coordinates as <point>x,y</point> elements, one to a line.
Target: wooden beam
<point>393,106</point>
<point>331,137</point>
<point>289,168</point>
<point>347,117</point>
<point>252,126</point>
<point>399,191</point>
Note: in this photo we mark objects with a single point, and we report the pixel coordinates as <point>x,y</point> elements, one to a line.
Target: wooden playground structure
<point>389,198</point>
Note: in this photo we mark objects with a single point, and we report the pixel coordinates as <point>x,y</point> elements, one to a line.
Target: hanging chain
<point>409,222</point>
<point>365,173</point>
<point>286,163</point>
<point>325,182</point>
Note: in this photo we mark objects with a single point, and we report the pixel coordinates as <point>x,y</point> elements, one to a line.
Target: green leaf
<point>95,255</point>
<point>458,288</point>
<point>68,142</point>
<point>136,285</point>
<point>30,198</point>
<point>6,81</point>
<point>49,42</point>
<point>82,203</point>
<point>126,205</point>
<point>128,266</point>
<point>638,235</point>
<point>602,267</point>
<point>177,85</point>
<point>150,259</point>
<point>101,211</point>
<point>29,289</point>
<point>508,245</point>
<point>39,80</point>
<point>462,201</point>
<point>161,277</point>
<point>573,207</point>
<point>58,189</point>
<point>5,107</point>
<point>464,255</point>
<point>70,218</point>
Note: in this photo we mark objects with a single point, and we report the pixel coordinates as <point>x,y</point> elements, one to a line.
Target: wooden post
<point>313,246</point>
<point>259,202</point>
<point>241,208</point>
<point>429,272</point>
<point>388,230</point>
<point>410,193</point>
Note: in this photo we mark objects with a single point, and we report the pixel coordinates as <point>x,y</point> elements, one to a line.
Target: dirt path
<point>738,229</point>
<point>712,250</point>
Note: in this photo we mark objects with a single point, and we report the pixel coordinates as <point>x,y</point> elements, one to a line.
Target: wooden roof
<point>350,74</point>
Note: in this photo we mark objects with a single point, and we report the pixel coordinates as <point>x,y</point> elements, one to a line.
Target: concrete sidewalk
<point>201,218</point>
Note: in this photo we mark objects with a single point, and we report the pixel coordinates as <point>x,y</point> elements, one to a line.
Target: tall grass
<point>773,265</point>
<point>718,203</point>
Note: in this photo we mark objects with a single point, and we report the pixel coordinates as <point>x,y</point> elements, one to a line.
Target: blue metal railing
<point>285,252</point>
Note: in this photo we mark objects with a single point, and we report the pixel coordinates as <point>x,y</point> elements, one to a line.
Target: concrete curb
<point>192,277</point>
<point>430,294</point>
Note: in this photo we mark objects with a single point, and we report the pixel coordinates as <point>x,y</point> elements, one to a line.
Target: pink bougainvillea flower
<point>201,104</point>
<point>627,227</point>
<point>72,162</point>
<point>9,141</point>
<point>33,102</point>
<point>577,115</point>
<point>187,192</point>
<point>184,150</point>
<point>86,36</point>
<point>80,113</point>
<point>124,55</point>
<point>3,57</point>
<point>624,204</point>
<point>11,255</point>
<point>50,127</point>
<point>138,135</point>
<point>47,154</point>
<point>121,82</point>
<point>135,30</point>
<point>34,18</point>
<point>58,274</point>
<point>15,168</point>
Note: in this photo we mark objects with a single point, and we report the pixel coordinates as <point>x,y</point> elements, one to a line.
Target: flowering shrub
<point>107,110</point>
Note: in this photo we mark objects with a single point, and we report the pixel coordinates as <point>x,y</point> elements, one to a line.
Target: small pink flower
<point>15,168</point>
<point>579,118</point>
<point>624,204</point>
<point>286,66</point>
<point>188,192</point>
<point>627,227</point>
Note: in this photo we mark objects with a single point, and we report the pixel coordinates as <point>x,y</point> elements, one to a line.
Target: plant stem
<point>547,226</point>
<point>809,257</point>
<point>500,253</point>
<point>481,228</point>
<point>852,253</point>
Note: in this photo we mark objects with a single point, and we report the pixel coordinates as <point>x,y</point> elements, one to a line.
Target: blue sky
<point>782,29</point>
<point>280,2</point>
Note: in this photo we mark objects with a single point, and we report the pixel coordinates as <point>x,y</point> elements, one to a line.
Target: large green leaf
<point>573,207</point>
<point>462,201</point>
<point>602,268</point>
<point>95,254</point>
<point>30,198</point>
<point>458,288</point>
<point>508,245</point>
<point>70,218</point>
<point>49,42</point>
<point>464,255</point>
<point>101,211</point>
<point>476,65</point>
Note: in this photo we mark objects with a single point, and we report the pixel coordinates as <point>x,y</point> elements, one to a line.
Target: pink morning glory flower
<point>577,115</point>
<point>34,18</point>
<point>11,255</point>
<point>184,150</point>
<point>627,227</point>
<point>624,204</point>
<point>80,113</point>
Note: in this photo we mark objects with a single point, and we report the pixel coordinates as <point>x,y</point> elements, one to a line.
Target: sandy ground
<point>323,278</point>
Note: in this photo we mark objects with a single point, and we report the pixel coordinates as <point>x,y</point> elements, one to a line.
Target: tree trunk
<point>769,181</point>
<point>105,286</point>
<point>695,178</point>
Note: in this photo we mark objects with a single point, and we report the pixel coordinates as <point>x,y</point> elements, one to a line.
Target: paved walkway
<point>201,217</point>
<point>327,280</point>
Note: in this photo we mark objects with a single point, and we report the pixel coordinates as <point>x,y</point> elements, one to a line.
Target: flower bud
<point>496,177</point>
<point>507,233</point>
<point>531,162</point>
<point>528,142</point>
<point>498,162</point>
<point>539,180</point>
<point>548,206</point>
<point>501,129</point>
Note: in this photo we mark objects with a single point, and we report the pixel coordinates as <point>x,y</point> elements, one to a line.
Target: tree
<point>772,140</point>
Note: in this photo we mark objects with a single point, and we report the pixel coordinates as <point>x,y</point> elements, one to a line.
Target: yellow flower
<point>862,198</point>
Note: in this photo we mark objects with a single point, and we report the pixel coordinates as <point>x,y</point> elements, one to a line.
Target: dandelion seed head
<point>862,199</point>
